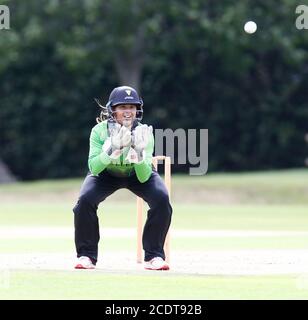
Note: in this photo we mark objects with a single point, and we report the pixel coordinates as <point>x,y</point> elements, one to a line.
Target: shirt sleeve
<point>98,159</point>
<point>143,169</point>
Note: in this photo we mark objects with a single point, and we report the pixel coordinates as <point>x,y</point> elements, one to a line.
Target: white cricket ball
<point>250,27</point>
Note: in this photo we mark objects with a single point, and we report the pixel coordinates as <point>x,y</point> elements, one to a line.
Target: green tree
<point>191,60</point>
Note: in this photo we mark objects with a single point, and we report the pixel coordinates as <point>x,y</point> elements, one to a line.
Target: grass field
<point>246,238</point>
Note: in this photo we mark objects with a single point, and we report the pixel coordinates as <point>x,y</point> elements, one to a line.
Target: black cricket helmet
<point>125,95</point>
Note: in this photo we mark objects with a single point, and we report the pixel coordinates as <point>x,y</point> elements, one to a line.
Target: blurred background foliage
<point>192,62</point>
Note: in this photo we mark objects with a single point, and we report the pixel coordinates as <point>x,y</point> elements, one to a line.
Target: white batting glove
<point>141,137</point>
<point>112,153</point>
<point>120,137</point>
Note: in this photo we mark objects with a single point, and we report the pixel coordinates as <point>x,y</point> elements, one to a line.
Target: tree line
<point>192,62</point>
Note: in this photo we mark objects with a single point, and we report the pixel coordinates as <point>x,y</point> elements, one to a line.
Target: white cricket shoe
<point>84,263</point>
<point>156,263</point>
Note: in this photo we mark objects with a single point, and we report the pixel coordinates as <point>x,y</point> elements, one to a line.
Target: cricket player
<point>120,156</point>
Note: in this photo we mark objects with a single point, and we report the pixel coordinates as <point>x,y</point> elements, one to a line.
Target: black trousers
<point>96,189</point>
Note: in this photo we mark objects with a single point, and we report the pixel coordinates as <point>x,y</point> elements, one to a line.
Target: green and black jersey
<point>99,160</point>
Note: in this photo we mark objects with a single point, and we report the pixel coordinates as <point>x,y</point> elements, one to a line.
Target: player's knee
<point>161,197</point>
<point>84,202</point>
<point>163,201</point>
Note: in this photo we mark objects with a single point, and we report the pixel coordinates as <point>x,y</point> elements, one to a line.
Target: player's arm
<point>98,159</point>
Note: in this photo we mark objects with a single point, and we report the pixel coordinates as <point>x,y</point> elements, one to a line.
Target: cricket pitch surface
<point>190,262</point>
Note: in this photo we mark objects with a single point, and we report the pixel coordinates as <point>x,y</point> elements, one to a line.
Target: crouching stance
<point>120,156</point>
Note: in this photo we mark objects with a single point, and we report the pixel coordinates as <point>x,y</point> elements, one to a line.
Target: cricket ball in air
<point>250,27</point>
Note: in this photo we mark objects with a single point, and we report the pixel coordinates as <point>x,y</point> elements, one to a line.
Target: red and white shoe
<point>84,263</point>
<point>156,263</point>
